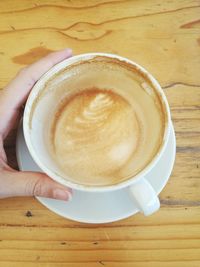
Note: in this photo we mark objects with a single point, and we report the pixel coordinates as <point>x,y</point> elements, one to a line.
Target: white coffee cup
<point>142,192</point>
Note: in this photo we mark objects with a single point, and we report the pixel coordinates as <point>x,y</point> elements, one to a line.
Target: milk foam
<point>108,122</point>
<point>95,134</point>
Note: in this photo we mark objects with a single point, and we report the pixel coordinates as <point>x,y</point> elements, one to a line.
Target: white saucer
<point>100,207</point>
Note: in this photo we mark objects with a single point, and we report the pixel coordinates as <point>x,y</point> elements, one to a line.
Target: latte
<point>108,124</point>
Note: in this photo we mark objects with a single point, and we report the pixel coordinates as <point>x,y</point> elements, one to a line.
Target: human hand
<point>13,182</point>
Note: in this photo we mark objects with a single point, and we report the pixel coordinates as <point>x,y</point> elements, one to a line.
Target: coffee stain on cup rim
<point>129,66</point>
<point>108,59</point>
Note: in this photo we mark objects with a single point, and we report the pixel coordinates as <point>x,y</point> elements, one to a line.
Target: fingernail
<point>68,50</point>
<point>62,194</point>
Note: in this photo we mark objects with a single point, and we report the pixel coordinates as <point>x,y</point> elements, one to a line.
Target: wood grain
<point>164,37</point>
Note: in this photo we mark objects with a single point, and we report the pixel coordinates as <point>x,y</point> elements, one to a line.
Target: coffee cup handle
<point>145,197</point>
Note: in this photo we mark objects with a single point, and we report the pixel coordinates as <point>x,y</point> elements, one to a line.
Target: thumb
<point>31,184</point>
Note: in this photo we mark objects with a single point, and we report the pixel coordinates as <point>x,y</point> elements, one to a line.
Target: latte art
<point>106,124</point>
<point>95,134</point>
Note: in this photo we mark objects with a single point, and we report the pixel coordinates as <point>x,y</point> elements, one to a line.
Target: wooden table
<point>164,37</point>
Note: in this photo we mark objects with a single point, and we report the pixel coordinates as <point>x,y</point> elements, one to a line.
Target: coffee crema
<point>96,132</point>
<point>107,124</point>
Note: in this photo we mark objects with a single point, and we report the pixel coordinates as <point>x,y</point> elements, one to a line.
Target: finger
<point>2,152</point>
<point>31,184</point>
<point>16,92</point>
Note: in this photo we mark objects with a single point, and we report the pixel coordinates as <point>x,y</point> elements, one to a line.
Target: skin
<point>12,182</point>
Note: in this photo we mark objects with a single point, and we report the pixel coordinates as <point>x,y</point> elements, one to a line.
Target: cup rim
<point>58,178</point>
